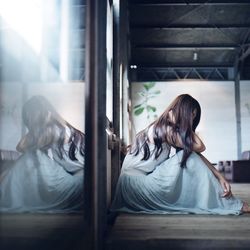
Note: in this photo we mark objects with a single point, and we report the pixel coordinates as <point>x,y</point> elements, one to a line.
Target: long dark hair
<point>46,128</point>
<point>182,109</point>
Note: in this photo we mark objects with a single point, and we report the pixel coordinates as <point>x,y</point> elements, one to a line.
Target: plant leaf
<point>137,106</point>
<point>151,108</point>
<point>138,111</point>
<point>149,85</point>
<point>157,92</point>
<point>145,85</point>
<point>151,95</point>
<point>141,94</point>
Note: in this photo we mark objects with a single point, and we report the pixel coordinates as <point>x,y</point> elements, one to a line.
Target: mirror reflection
<point>42,47</point>
<point>50,165</point>
<point>42,104</point>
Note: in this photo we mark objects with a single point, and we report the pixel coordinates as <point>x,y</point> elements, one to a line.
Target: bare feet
<point>245,208</point>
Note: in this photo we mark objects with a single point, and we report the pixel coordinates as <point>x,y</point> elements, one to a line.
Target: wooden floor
<point>135,232</point>
<point>41,232</point>
<point>130,232</point>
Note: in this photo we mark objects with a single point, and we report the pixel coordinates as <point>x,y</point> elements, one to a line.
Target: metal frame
<point>181,73</point>
<point>157,73</point>
<point>115,154</point>
<point>184,47</point>
<point>95,183</point>
<point>185,3</point>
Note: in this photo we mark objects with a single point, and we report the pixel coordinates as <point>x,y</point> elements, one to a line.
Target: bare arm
<point>198,145</point>
<point>23,143</point>
<point>225,185</point>
<point>217,174</point>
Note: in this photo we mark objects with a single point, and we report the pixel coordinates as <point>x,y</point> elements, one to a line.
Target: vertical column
<point>238,113</point>
<point>64,38</point>
<point>115,155</point>
<point>120,83</point>
<point>125,53</point>
<point>95,123</point>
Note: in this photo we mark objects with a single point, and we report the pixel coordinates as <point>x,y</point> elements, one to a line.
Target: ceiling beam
<point>183,67</point>
<point>185,47</point>
<point>245,54</point>
<point>162,67</point>
<point>192,73</point>
<point>188,3</point>
<point>185,15</point>
<point>188,26</point>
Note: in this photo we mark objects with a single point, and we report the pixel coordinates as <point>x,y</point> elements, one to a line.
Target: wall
<point>245,114</point>
<point>11,100</point>
<point>218,121</point>
<point>36,59</point>
<point>67,98</point>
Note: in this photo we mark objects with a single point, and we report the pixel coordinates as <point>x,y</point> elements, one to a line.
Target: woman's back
<point>133,163</point>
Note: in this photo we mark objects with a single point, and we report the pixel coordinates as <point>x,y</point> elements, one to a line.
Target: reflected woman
<point>48,176</point>
<point>152,182</point>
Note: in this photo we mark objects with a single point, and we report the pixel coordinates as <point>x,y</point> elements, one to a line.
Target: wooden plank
<point>183,231</point>
<point>41,231</point>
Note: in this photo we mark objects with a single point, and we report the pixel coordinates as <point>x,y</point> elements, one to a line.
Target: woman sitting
<point>48,176</point>
<point>152,182</point>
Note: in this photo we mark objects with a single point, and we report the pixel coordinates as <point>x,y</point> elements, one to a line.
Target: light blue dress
<point>42,182</point>
<point>161,186</point>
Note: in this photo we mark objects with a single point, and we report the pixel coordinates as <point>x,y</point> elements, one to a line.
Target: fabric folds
<point>167,188</point>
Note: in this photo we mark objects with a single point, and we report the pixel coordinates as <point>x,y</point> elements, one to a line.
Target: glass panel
<point>42,48</point>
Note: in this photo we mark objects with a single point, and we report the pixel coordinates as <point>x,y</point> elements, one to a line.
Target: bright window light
<point>24,17</point>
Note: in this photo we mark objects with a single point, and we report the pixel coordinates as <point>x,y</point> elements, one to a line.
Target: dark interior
<point>206,40</point>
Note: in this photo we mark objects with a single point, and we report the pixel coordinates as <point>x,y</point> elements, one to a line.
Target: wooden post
<point>95,124</point>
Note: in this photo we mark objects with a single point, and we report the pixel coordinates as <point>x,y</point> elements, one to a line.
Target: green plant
<point>146,94</point>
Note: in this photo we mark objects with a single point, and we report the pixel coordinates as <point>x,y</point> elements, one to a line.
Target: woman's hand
<point>227,193</point>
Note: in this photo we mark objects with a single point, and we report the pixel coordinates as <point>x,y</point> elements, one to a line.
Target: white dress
<point>161,186</point>
<point>40,182</point>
